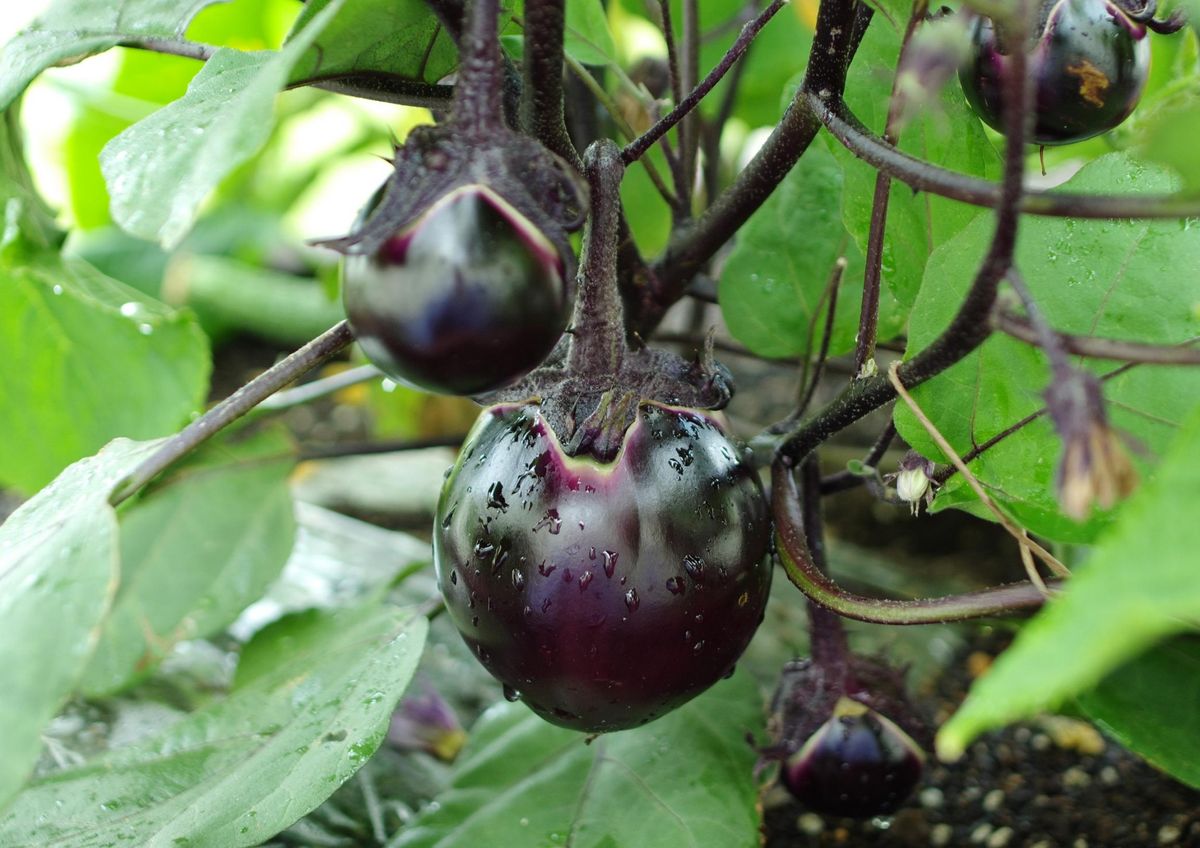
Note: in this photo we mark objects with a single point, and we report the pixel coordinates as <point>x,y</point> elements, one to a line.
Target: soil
<point>1054,783</point>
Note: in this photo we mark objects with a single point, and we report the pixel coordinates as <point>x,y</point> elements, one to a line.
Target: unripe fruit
<point>464,300</point>
<point>857,764</point>
<point>1088,63</point>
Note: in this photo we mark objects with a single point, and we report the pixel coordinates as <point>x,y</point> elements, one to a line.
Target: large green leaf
<point>398,37</point>
<point>195,552</point>
<point>1138,587</point>
<point>71,30</point>
<point>86,359</point>
<point>1150,705</point>
<point>1122,279</point>
<point>772,284</point>
<point>58,570</point>
<point>160,170</point>
<point>236,773</point>
<point>917,223</point>
<point>685,779</point>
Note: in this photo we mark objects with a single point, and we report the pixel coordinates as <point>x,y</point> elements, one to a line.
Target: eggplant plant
<point>583,208</point>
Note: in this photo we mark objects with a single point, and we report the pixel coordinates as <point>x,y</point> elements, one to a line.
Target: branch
<point>479,87</point>
<point>234,407</point>
<point>636,148</point>
<point>542,112</point>
<point>868,317</point>
<point>971,324</point>
<point>921,175</point>
<point>1021,328</point>
<point>802,571</point>
<point>842,480</point>
<point>692,247</point>
<point>383,88</point>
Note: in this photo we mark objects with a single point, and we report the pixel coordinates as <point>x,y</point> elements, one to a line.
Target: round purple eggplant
<point>1088,61</point>
<point>603,594</point>
<point>857,764</point>
<point>463,301</point>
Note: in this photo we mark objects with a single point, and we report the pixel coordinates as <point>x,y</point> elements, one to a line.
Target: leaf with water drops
<point>195,551</point>
<point>949,134</point>
<point>71,339</point>
<point>772,288</point>
<point>685,779</point>
<point>71,30</point>
<point>237,772</point>
<point>1125,279</point>
<point>160,170</point>
<point>58,570</point>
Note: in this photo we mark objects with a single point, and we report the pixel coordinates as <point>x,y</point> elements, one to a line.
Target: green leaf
<point>398,37</point>
<point>587,37</point>
<point>160,170</point>
<point>195,551</point>
<point>1149,704</point>
<point>72,30</point>
<point>918,222</point>
<point>772,285</point>
<point>87,359</point>
<point>1138,587</point>
<point>236,773</point>
<point>1170,131</point>
<point>58,570</point>
<point>1119,279</point>
<point>685,779</point>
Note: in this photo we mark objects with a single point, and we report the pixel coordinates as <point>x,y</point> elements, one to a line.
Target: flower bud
<point>427,723</point>
<point>914,481</point>
<point>1094,469</point>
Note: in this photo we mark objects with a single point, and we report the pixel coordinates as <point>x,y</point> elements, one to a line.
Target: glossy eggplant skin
<point>1088,62</point>
<point>467,299</point>
<point>857,765</point>
<point>603,595</point>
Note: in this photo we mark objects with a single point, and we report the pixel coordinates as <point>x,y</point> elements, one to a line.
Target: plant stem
<point>842,480</point>
<point>383,88</point>
<point>1022,328</point>
<point>828,644</point>
<point>831,290</point>
<point>317,389</point>
<point>598,329</point>
<point>234,407</point>
<point>924,176</point>
<point>636,148</point>
<point>868,319</point>
<point>970,326</point>
<point>803,572</point>
<point>542,114</point>
<point>479,90</point>
<point>693,246</point>
<point>386,446</point>
<point>689,75</point>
